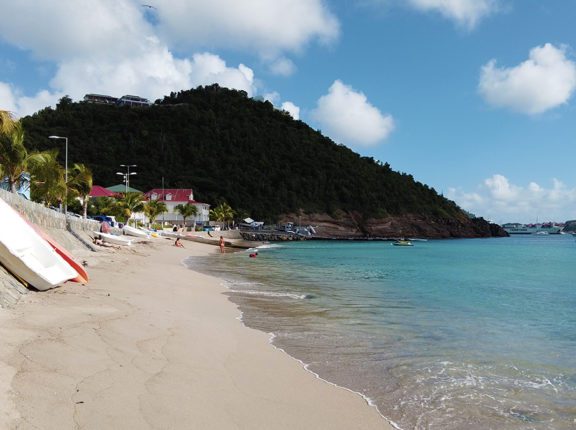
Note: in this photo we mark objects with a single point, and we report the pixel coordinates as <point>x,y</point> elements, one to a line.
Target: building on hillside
<point>173,197</point>
<point>133,101</point>
<point>126,100</point>
<point>100,99</point>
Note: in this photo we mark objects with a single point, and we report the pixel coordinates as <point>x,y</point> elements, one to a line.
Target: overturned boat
<point>27,255</point>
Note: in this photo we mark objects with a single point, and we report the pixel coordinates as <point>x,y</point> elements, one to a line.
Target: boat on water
<point>27,255</point>
<point>518,228</point>
<point>114,239</point>
<point>402,242</point>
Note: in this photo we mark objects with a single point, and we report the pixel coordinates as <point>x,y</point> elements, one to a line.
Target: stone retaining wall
<point>45,217</point>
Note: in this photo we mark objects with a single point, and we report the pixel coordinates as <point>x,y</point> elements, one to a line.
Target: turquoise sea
<point>447,334</point>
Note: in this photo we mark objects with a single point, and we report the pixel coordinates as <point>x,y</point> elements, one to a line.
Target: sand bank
<point>150,344</point>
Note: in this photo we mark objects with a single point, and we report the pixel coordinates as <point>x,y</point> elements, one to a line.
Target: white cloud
<point>273,97</point>
<point>209,68</point>
<point>109,46</point>
<point>282,67</point>
<point>42,99</point>
<point>501,189</point>
<point>261,26</point>
<point>348,117</point>
<point>11,100</point>
<point>7,98</point>
<point>544,81</point>
<point>57,30</point>
<point>151,72</point>
<point>501,201</point>
<point>292,109</point>
<point>465,12</point>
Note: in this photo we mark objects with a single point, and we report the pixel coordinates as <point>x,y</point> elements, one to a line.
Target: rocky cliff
<point>352,226</point>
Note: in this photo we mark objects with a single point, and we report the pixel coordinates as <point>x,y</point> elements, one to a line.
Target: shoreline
<point>306,366</point>
<point>150,343</point>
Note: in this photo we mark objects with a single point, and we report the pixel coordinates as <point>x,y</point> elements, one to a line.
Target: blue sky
<point>472,97</point>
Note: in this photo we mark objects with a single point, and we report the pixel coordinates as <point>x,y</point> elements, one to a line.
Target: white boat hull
<point>113,239</point>
<point>131,231</point>
<point>27,255</point>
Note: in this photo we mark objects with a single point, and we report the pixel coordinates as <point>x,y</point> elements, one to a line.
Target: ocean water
<point>448,334</point>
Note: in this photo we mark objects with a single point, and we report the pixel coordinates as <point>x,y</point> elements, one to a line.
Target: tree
<point>47,179</point>
<point>222,213</point>
<point>186,211</point>
<point>101,206</point>
<point>80,184</point>
<point>153,209</point>
<point>14,157</point>
<point>130,203</point>
<point>7,122</point>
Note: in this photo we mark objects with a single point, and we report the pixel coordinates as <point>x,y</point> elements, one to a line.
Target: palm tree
<point>153,209</point>
<point>186,211</point>
<point>47,179</point>
<point>7,122</point>
<point>80,184</point>
<point>102,205</point>
<point>222,213</point>
<point>14,158</point>
<point>130,203</point>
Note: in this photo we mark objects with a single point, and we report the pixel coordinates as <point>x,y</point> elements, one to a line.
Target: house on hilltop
<point>173,197</point>
<point>126,100</point>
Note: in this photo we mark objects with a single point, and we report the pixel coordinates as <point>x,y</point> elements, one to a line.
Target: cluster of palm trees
<point>46,175</point>
<point>223,213</point>
<point>48,184</point>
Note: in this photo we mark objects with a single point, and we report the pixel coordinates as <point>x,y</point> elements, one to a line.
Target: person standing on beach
<point>222,244</point>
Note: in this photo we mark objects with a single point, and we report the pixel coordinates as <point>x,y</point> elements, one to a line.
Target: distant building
<point>100,99</point>
<point>173,197</point>
<point>126,100</point>
<point>133,101</point>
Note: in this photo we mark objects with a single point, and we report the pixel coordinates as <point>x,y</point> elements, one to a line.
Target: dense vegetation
<point>228,147</point>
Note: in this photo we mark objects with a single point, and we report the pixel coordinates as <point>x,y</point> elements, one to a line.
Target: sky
<point>474,98</point>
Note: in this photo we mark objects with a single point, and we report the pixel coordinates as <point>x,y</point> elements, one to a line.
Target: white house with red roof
<point>173,197</point>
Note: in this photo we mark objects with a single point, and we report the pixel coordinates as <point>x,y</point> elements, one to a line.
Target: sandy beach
<point>150,344</point>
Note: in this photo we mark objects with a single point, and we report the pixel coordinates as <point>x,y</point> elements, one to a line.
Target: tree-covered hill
<point>232,148</point>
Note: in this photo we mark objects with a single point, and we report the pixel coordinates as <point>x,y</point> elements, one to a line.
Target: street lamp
<point>127,174</point>
<point>65,172</point>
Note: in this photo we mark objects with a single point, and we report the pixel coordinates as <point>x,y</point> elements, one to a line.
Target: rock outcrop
<point>353,226</point>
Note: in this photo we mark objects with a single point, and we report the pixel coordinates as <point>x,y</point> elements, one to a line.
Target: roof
<point>180,195</point>
<point>121,188</point>
<point>98,191</point>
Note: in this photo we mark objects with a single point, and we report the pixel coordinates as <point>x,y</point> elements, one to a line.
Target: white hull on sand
<point>131,231</point>
<point>173,234</point>
<point>27,255</point>
<point>150,233</point>
<point>113,239</point>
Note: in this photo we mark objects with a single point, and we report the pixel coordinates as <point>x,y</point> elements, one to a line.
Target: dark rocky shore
<point>353,227</point>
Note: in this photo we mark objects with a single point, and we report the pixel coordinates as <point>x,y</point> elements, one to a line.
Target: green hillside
<point>231,148</point>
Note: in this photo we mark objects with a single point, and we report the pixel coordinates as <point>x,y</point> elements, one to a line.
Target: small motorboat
<point>402,242</point>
